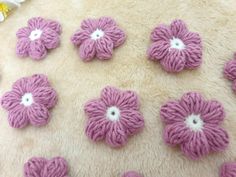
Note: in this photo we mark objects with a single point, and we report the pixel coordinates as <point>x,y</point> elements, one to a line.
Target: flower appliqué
<point>228,169</point>
<point>194,124</point>
<point>175,47</point>
<point>98,38</point>
<point>37,38</point>
<point>230,71</point>
<point>29,101</point>
<point>131,174</point>
<point>41,167</point>
<point>113,117</point>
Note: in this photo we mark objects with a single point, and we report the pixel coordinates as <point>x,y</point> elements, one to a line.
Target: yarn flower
<point>230,71</point>
<point>132,174</point>
<point>41,167</point>
<point>39,36</point>
<point>228,169</point>
<point>193,123</point>
<point>175,47</point>
<point>98,37</point>
<point>29,101</point>
<point>113,117</point>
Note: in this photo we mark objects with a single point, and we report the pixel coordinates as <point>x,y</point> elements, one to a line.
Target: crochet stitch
<point>132,174</point>
<point>41,167</point>
<point>230,71</point>
<point>175,47</point>
<point>98,37</point>
<point>113,117</point>
<point>193,123</point>
<point>39,36</point>
<point>29,101</point>
<point>228,169</point>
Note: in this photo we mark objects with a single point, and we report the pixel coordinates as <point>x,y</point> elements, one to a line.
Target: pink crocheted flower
<point>98,37</point>
<point>113,117</point>
<point>230,71</point>
<point>132,174</point>
<point>29,101</point>
<point>228,169</point>
<point>193,123</point>
<point>39,36</point>
<point>175,47</point>
<point>41,167</point>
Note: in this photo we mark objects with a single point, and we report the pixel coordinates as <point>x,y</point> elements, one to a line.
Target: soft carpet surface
<point>76,82</point>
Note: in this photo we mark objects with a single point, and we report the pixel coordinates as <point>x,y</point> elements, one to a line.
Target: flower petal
<point>193,103</point>
<point>50,38</point>
<point>193,55</point>
<point>38,114</point>
<point>158,50</point>
<point>128,100</point>
<point>176,133</point>
<point>23,47</point>
<point>161,33</point>
<point>132,121</point>
<point>18,117</point>
<point>106,22</point>
<point>217,137</point>
<point>196,146</point>
<point>54,25</point>
<point>10,100</point>
<point>116,136</point>
<point>228,169</point>
<point>116,35</point>
<point>213,112</point>
<point>46,96</point>
<point>172,112</point>
<point>230,70</point>
<point>87,50</point>
<point>23,32</point>
<point>89,24</point>
<point>174,61</point>
<point>131,174</point>
<point>110,96</point>
<point>37,50</point>
<point>79,37</point>
<point>192,38</point>
<point>34,166</point>
<point>178,28</point>
<point>56,167</point>
<point>95,108</point>
<point>37,23</point>
<point>104,48</point>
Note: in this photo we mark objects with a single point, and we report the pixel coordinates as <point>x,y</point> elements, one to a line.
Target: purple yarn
<point>175,47</point>
<point>113,117</point>
<point>194,124</point>
<point>39,36</point>
<point>228,169</point>
<point>98,38</point>
<point>131,174</point>
<point>230,71</point>
<point>29,101</point>
<point>41,167</point>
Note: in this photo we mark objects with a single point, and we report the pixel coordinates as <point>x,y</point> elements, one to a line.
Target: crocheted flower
<point>230,71</point>
<point>132,174</point>
<point>29,101</point>
<point>193,123</point>
<point>39,36</point>
<point>228,169</point>
<point>98,37</point>
<point>175,47</point>
<point>113,117</point>
<point>41,167</point>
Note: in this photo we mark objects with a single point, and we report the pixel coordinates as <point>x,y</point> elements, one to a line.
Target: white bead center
<point>27,99</point>
<point>97,34</point>
<point>113,113</point>
<point>177,43</point>
<point>35,34</point>
<point>194,122</point>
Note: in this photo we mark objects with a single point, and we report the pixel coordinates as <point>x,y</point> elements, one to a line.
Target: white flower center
<point>194,122</point>
<point>27,99</point>
<point>97,34</point>
<point>35,34</point>
<point>177,43</point>
<point>113,113</point>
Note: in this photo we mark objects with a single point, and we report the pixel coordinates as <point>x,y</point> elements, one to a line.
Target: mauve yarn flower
<point>41,167</point>
<point>39,36</point>
<point>228,169</point>
<point>113,117</point>
<point>230,71</point>
<point>194,124</point>
<point>132,174</point>
<point>29,101</point>
<point>98,38</point>
<point>175,47</point>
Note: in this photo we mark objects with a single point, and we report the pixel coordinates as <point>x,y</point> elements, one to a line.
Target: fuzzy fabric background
<point>76,82</point>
